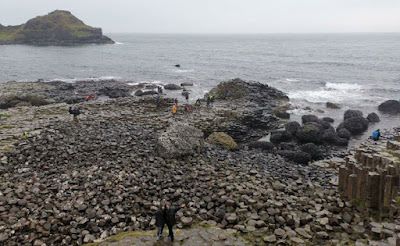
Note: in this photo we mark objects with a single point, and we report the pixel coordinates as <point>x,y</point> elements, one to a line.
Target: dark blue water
<point>355,70</point>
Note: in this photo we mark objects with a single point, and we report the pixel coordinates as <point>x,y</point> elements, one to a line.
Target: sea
<point>355,70</point>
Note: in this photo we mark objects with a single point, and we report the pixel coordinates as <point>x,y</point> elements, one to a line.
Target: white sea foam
<point>343,86</point>
<point>184,71</point>
<point>69,80</point>
<point>292,80</point>
<point>146,82</point>
<point>118,43</point>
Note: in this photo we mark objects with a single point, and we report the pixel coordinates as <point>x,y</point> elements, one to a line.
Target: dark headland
<point>56,28</point>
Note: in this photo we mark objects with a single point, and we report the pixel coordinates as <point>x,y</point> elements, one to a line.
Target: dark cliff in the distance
<point>57,28</point>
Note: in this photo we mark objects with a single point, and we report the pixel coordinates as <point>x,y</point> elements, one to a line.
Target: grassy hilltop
<point>57,28</point>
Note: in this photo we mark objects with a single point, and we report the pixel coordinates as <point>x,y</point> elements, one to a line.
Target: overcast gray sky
<point>217,16</point>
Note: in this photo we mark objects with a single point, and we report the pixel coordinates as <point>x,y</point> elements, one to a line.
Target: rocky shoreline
<point>70,183</point>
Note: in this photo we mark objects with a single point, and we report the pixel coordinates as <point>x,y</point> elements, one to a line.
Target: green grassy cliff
<point>57,28</point>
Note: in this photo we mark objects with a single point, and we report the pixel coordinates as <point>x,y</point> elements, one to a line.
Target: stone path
<point>194,237</point>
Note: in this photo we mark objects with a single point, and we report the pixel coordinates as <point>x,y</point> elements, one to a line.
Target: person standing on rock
<point>197,105</point>
<point>174,109</point>
<point>158,100</point>
<point>208,101</point>
<point>160,220</point>
<point>170,219</point>
<point>227,94</point>
<point>187,97</point>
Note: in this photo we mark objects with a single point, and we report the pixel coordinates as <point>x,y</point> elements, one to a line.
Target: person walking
<point>187,97</point>
<point>160,220</point>
<point>170,219</point>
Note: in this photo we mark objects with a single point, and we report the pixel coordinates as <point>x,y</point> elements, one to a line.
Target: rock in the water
<point>328,119</point>
<point>172,87</point>
<point>373,118</point>
<point>332,105</point>
<point>179,140</point>
<point>352,114</point>
<point>222,139</point>
<point>261,145</point>
<point>309,134</point>
<point>186,84</point>
<point>282,115</point>
<point>309,118</point>
<point>292,127</point>
<point>390,106</point>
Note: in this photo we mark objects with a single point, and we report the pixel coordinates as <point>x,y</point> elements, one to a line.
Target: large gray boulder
<point>309,134</point>
<point>390,106</point>
<point>309,118</point>
<point>280,136</point>
<point>172,87</point>
<point>352,114</point>
<point>373,118</point>
<point>344,133</point>
<point>292,127</point>
<point>355,126</point>
<point>180,139</point>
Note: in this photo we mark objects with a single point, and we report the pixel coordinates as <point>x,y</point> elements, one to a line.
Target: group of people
<point>165,215</point>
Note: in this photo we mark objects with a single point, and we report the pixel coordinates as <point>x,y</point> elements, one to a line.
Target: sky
<point>217,16</point>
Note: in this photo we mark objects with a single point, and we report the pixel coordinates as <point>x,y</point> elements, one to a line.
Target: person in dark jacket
<point>170,220</point>
<point>160,220</point>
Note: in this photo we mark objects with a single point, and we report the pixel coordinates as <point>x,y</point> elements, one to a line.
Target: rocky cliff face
<point>57,28</point>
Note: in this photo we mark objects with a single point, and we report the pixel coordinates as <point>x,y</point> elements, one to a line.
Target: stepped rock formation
<point>57,28</point>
